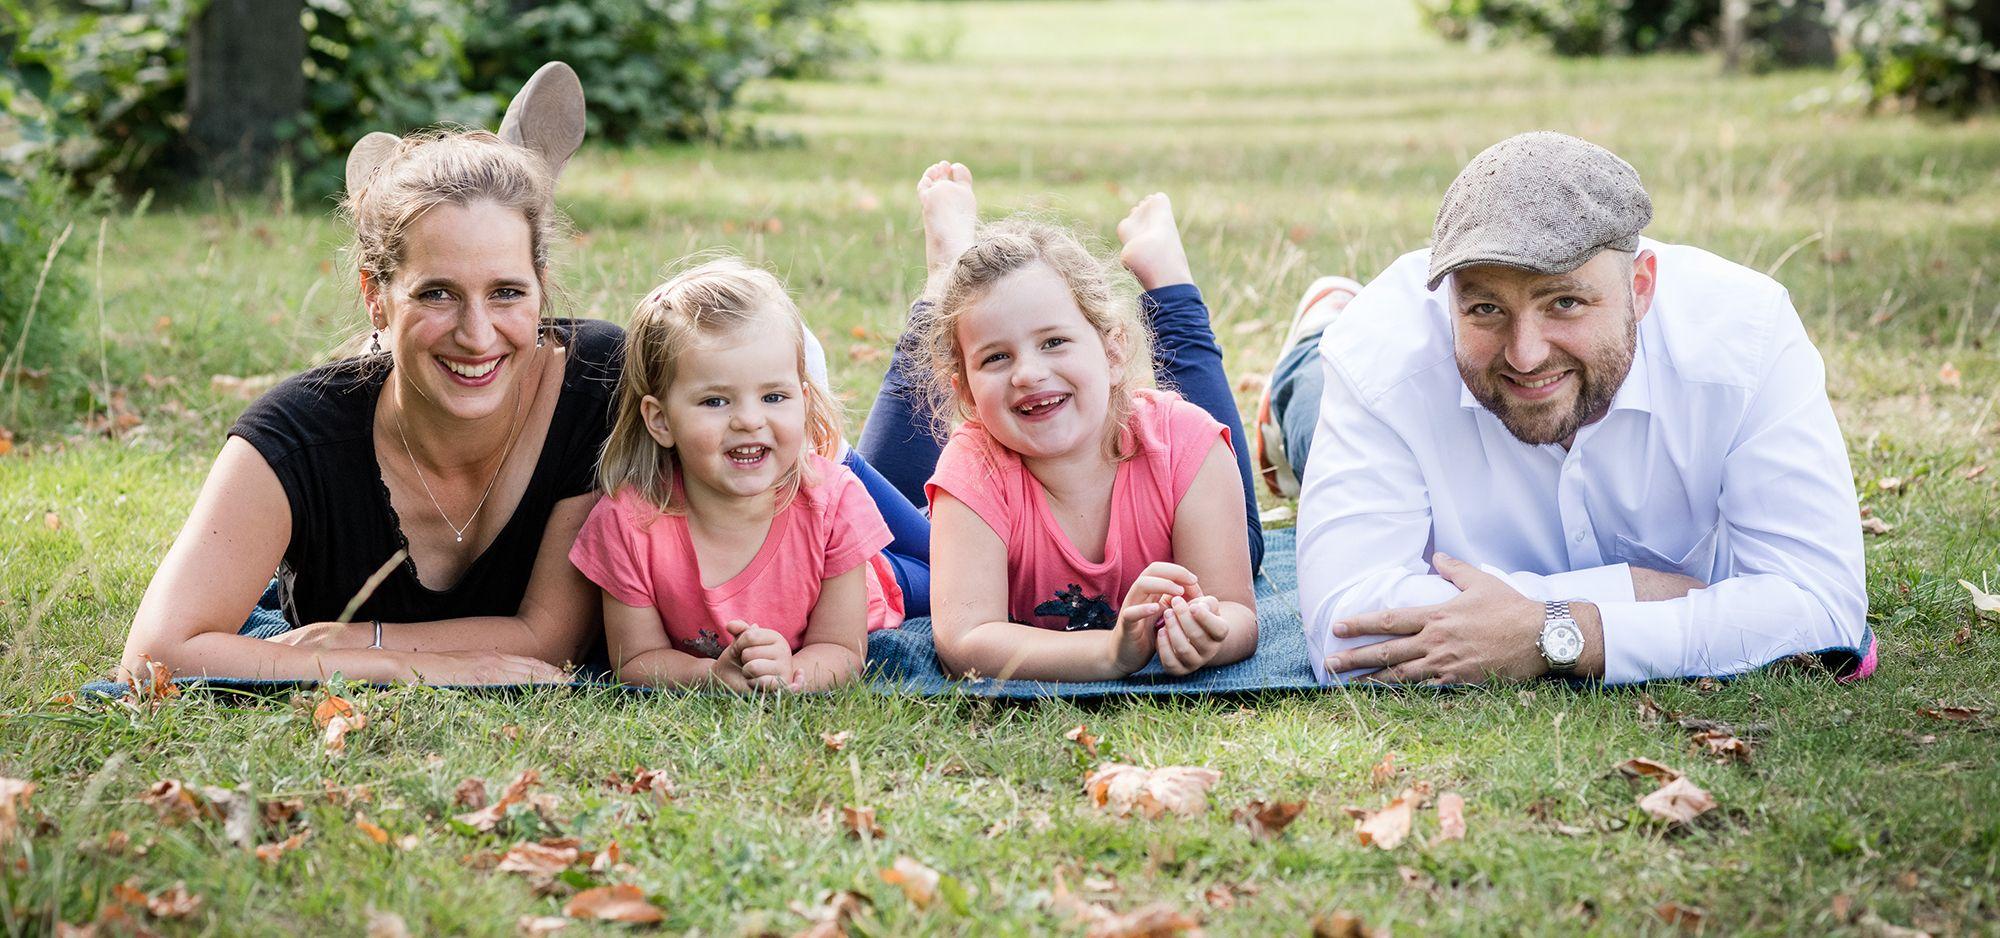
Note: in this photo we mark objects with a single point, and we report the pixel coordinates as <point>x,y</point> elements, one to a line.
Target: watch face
<point>1563,642</point>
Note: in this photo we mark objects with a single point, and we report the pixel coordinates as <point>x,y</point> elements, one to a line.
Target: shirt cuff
<point>1607,584</point>
<point>1643,641</point>
<point>1173,294</point>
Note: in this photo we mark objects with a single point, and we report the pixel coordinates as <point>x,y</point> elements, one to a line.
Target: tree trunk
<point>245,76</point>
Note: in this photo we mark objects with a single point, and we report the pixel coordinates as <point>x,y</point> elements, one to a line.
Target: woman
<point>419,501</point>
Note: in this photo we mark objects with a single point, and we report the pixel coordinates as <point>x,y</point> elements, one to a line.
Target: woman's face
<point>463,308</point>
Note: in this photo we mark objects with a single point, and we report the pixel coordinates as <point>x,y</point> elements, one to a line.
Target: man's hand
<point>1487,631</point>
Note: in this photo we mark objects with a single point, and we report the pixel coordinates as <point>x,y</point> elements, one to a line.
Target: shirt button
<point>1577,537</point>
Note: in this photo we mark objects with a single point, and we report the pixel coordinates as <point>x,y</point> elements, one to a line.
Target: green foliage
<point>1931,54</point>
<point>1580,27</point>
<point>103,86</point>
<point>41,293</point>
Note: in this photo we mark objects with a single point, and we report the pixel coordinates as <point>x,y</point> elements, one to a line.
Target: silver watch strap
<point>1556,609</point>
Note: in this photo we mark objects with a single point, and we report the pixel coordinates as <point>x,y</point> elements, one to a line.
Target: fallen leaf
<point>534,926</point>
<point>1344,924</point>
<point>386,925</point>
<point>606,859</point>
<point>1276,514</point>
<point>14,794</point>
<point>1973,473</point>
<point>470,793</point>
<point>510,732</point>
<point>1651,713</point>
<point>1962,637</point>
<point>918,882</point>
<point>6,441</point>
<point>1723,747</point>
<point>52,521</point>
<point>1889,483</point>
<point>335,706</point>
<point>618,903</point>
<point>239,812</point>
<point>372,829</point>
<point>172,802</point>
<point>1153,921</point>
<point>1680,916</point>
<point>835,742</point>
<point>1177,789</point>
<point>1876,926</point>
<point>1219,896</point>
<point>156,685</point>
<point>1383,771</point>
<point>1647,768</point>
<point>1876,526</point>
<point>860,822</point>
<point>1955,714</point>
<point>863,352</point>
<point>1417,879</point>
<point>1948,375</point>
<point>1267,819</point>
<point>1251,382</point>
<point>831,913</point>
<point>486,818</point>
<point>1677,802</point>
<point>335,741</point>
<point>1981,599</point>
<point>537,859</point>
<point>173,902</point>
<point>269,853</point>
<point>1842,908</point>
<point>243,388</point>
<point>279,812</point>
<point>1081,736</point>
<point>1451,817</point>
<point>1707,685</point>
<point>1388,827</point>
<point>644,781</point>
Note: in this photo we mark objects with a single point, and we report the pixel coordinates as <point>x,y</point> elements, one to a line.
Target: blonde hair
<point>717,298</point>
<point>459,167</point>
<point>1104,297</point>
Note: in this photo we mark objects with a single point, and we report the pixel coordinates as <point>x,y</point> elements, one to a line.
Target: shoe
<point>1322,301</point>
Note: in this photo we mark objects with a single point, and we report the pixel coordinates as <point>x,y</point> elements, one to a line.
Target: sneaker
<point>1322,301</point>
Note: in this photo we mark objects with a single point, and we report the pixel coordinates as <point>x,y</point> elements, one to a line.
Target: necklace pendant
<point>461,539</point>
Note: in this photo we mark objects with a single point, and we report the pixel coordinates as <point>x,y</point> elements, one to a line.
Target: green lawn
<point>1297,138</point>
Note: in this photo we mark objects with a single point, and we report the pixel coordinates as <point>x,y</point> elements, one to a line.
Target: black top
<point>317,432</point>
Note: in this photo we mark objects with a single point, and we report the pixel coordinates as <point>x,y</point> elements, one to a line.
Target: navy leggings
<point>898,451</point>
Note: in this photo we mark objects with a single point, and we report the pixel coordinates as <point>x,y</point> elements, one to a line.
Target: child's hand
<point>762,656</point>
<point>1191,633</point>
<point>1134,636</point>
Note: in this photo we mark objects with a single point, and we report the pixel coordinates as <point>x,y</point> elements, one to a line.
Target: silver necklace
<point>457,531</point>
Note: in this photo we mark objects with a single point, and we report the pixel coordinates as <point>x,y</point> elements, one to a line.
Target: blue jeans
<point>897,439</point>
<point>1296,387</point>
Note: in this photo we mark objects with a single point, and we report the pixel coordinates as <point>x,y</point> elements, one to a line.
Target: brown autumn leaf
<point>1341,923</point>
<point>1388,827</point>
<point>6,441</point>
<point>1175,789</point>
<point>831,913</point>
<point>622,902</point>
<point>172,902</point>
<point>172,802</point>
<point>835,742</point>
<point>243,388</point>
<point>470,794</point>
<point>1647,768</point>
<point>918,882</point>
<point>1451,817</point>
<point>335,740</point>
<point>372,829</point>
<point>605,860</point>
<point>335,706</point>
<point>859,822</point>
<point>52,521</point>
<point>1677,802</point>
<point>269,853</point>
<point>1973,473</point>
<point>1875,926</point>
<point>1962,637</point>
<point>1723,747</point>
<point>1267,819</point>
<point>862,352</point>
<point>1876,526</point>
<point>1651,713</point>
<point>14,794</point>
<point>1383,771</point>
<point>537,859</point>
<point>1948,375</point>
<point>1889,483</point>
<point>1080,735</point>
<point>486,818</point>
<point>156,685</point>
<point>386,925</point>
<point>1955,714</point>
<point>1153,921</point>
<point>1684,917</point>
<point>280,811</point>
<point>535,926</point>
<point>643,781</point>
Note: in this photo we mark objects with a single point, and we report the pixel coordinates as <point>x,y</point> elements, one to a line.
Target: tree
<point>244,81</point>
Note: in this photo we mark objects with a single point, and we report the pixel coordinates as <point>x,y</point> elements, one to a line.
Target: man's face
<point>1546,353</point>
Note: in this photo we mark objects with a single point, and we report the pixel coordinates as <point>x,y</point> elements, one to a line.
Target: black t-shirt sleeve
<point>292,421</point>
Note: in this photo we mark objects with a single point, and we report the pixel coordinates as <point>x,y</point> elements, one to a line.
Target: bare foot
<point>1153,251</point>
<point>951,214</point>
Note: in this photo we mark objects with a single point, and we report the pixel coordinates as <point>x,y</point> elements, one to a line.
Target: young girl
<point>1077,516</point>
<point>731,549</point>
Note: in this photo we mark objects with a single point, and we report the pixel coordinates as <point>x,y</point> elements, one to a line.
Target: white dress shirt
<point>1719,459</point>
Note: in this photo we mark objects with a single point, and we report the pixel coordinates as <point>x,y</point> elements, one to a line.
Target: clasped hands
<point>1488,631</point>
<point>757,658</point>
<point>1166,613</point>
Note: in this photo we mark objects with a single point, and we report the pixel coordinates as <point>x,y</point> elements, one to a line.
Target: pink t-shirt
<point>1050,584</point>
<point>645,557</point>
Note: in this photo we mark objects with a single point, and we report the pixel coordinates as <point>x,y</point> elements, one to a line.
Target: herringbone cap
<point>1539,201</point>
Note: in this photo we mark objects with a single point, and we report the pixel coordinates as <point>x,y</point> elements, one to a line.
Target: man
<point>1547,446</point>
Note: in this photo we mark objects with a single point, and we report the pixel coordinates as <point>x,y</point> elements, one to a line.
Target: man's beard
<point>1598,380</point>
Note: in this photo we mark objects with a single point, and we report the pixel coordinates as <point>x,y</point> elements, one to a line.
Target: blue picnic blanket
<point>901,660</point>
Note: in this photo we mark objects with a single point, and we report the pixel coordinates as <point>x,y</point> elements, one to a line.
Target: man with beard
<point>1547,446</point>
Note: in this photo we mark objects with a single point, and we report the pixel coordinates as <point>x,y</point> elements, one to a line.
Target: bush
<point>108,78</point>
<point>42,297</point>
<point>1933,54</point>
<point>1580,27</point>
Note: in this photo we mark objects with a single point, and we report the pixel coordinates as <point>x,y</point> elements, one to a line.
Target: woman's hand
<point>1135,636</point>
<point>482,667</point>
<point>1191,633</point>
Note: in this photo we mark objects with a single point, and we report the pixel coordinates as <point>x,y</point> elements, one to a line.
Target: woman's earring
<point>375,342</point>
<point>541,337</point>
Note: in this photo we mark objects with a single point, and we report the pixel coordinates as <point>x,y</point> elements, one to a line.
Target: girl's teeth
<point>471,371</point>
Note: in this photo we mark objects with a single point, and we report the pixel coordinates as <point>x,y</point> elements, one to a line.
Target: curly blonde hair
<point>1102,292</point>
<point>717,298</point>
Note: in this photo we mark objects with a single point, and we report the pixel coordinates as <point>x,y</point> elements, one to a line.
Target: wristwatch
<point>1561,642</point>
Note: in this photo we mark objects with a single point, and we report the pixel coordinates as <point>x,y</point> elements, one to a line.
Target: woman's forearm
<point>1242,640</point>
<point>219,654</point>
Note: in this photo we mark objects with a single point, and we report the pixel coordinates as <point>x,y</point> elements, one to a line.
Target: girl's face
<point>735,413</point>
<point>1037,373</point>
<point>463,307</point>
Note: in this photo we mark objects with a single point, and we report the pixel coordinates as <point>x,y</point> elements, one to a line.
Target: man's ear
<point>1645,278</point>
<point>368,155</point>
<point>655,415</point>
<point>547,116</point>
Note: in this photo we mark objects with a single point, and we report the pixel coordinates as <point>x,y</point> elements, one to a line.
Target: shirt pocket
<point>1697,561</point>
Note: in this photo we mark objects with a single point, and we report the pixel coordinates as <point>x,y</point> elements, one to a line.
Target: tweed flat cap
<point>1539,201</point>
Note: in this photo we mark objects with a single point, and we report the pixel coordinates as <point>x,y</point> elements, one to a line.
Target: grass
<point>1297,138</point>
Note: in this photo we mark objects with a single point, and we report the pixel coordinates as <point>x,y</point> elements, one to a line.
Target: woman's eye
<point>508,293</point>
<point>437,295</point>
